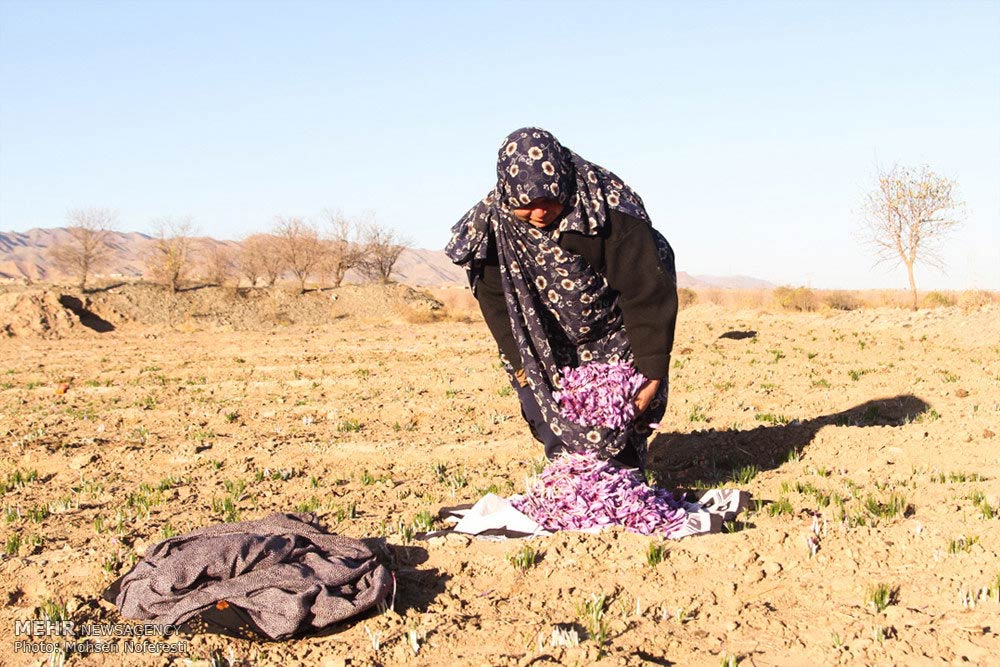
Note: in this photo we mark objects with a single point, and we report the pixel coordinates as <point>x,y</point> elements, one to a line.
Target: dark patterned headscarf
<point>562,312</point>
<point>532,164</point>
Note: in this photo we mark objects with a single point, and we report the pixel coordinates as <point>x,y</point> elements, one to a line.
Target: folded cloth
<point>286,573</point>
<point>496,518</point>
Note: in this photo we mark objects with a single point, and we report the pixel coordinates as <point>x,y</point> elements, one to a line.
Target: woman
<point>568,271</point>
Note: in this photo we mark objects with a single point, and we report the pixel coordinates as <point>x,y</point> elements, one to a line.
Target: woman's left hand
<point>645,396</point>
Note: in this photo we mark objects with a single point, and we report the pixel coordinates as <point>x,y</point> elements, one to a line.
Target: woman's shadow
<point>711,457</point>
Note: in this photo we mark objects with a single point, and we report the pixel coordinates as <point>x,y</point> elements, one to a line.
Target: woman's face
<point>539,212</point>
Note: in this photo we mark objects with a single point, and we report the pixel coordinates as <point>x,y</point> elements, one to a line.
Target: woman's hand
<point>645,396</point>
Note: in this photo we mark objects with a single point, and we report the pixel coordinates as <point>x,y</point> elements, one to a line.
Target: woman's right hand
<point>645,396</point>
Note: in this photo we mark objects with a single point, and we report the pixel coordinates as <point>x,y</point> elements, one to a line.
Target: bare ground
<point>878,425</point>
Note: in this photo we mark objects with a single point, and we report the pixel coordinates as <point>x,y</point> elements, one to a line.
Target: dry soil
<point>872,433</point>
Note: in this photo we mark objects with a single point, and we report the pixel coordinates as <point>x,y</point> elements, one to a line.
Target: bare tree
<point>382,249</point>
<point>261,257</point>
<point>220,262</point>
<point>908,215</point>
<point>170,259</point>
<point>250,258</point>
<point>344,246</point>
<point>300,247</point>
<point>274,261</point>
<point>86,249</point>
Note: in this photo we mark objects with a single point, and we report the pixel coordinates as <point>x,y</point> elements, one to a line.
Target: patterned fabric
<point>562,312</point>
<point>532,164</point>
<point>280,576</point>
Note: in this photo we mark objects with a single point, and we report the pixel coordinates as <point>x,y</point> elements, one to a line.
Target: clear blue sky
<point>750,129</point>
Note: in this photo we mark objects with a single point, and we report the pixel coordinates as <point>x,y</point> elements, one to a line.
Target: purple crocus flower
<point>599,394</point>
<point>579,491</point>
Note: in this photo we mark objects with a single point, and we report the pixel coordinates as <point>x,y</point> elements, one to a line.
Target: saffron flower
<point>579,491</point>
<point>599,394</point>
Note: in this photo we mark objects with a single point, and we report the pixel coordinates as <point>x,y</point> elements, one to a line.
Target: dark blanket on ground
<point>289,575</point>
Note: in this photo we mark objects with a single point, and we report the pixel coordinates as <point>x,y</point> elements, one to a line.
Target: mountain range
<point>23,255</point>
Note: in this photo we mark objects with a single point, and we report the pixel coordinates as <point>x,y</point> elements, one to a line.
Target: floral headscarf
<point>532,164</point>
<point>562,312</point>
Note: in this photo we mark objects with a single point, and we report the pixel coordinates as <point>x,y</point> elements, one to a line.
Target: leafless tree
<point>86,249</point>
<point>220,262</point>
<point>345,247</point>
<point>173,252</point>
<point>272,260</point>
<point>382,248</point>
<point>908,215</point>
<point>300,247</point>
<point>252,257</point>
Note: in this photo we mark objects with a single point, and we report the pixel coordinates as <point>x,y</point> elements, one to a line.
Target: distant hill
<point>427,268</point>
<point>23,255</point>
<point>734,282</point>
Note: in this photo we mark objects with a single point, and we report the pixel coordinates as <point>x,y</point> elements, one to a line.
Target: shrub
<point>841,300</point>
<point>938,300</point>
<point>686,297</point>
<point>973,299</point>
<point>795,298</point>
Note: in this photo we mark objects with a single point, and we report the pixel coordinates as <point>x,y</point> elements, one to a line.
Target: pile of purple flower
<point>579,491</point>
<point>599,394</point>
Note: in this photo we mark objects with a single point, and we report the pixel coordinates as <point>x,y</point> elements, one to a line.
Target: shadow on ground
<point>104,288</point>
<point>416,588</point>
<point>712,457</point>
<point>738,335</point>
<point>88,318</point>
<point>195,288</point>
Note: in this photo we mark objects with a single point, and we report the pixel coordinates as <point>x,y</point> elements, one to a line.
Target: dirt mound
<point>383,301</point>
<point>37,314</point>
<point>258,308</point>
<point>48,313</point>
